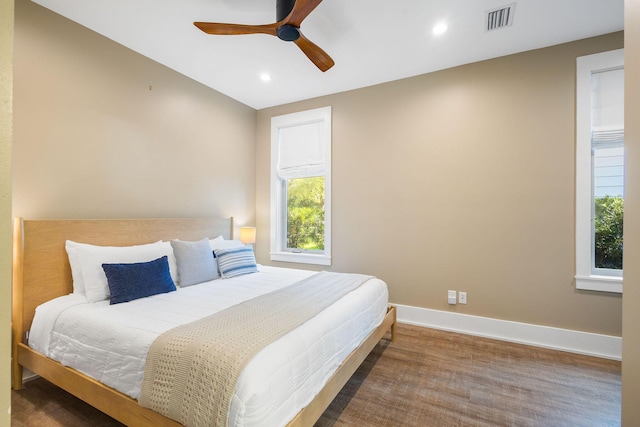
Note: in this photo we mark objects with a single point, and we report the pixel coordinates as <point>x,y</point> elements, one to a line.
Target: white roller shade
<point>603,136</point>
<point>607,106</point>
<point>301,151</point>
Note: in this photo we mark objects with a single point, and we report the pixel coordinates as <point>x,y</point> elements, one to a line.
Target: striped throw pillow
<point>236,261</point>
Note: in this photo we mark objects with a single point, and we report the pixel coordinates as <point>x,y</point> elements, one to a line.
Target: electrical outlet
<point>451,297</point>
<point>462,297</point>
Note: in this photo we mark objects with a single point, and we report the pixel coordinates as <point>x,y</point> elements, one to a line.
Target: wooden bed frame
<point>41,272</point>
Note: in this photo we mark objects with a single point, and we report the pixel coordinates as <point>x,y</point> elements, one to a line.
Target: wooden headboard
<point>41,268</point>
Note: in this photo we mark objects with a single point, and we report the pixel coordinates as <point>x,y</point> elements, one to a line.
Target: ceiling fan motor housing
<point>288,33</point>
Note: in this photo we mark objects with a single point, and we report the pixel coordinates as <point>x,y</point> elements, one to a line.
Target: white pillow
<point>76,271</point>
<point>225,244</point>
<point>217,239</point>
<point>173,263</point>
<point>86,264</point>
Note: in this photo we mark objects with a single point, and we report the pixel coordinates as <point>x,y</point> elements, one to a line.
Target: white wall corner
<point>605,346</point>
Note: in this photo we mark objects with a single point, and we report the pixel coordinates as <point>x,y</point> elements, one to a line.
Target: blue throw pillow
<point>128,282</point>
<point>236,261</point>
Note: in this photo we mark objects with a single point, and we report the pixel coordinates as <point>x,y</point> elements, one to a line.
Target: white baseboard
<point>27,375</point>
<point>605,346</point>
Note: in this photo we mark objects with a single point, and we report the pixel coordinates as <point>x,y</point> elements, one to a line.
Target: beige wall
<point>462,179</point>
<point>101,131</point>
<point>6,75</point>
<point>631,303</point>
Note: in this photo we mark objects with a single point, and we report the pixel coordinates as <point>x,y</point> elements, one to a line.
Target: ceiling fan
<point>289,16</point>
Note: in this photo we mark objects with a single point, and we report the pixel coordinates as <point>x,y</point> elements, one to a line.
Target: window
<point>301,187</point>
<point>599,171</point>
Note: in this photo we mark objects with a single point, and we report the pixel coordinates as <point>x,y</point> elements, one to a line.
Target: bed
<point>41,272</point>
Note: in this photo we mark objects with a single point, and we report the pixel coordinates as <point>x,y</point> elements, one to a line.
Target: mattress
<point>110,342</point>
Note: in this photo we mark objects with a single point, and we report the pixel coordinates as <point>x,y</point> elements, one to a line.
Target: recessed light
<point>439,28</point>
<point>265,77</point>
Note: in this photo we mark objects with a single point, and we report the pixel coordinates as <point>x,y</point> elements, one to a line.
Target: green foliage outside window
<point>305,213</point>
<point>608,232</point>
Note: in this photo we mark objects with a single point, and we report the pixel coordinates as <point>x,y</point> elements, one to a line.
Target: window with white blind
<point>301,187</point>
<point>599,171</point>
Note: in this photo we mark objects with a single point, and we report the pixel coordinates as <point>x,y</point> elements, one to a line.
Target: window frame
<point>587,276</point>
<point>278,232</point>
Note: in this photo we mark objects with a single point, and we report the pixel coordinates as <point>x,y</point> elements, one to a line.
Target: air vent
<point>501,17</point>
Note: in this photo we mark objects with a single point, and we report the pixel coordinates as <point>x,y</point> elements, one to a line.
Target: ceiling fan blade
<point>287,29</point>
<point>236,29</point>
<point>301,9</point>
<point>318,56</point>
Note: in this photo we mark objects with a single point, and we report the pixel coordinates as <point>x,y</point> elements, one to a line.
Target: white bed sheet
<point>110,342</point>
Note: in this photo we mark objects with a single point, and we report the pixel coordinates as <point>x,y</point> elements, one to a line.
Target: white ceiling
<point>371,41</point>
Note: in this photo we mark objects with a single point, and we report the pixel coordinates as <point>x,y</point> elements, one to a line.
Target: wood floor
<point>425,378</point>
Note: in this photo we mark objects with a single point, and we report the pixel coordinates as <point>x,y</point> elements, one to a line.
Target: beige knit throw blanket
<point>192,370</point>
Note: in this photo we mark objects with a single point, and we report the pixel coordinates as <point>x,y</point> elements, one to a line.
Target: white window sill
<point>599,283</point>
<point>302,258</point>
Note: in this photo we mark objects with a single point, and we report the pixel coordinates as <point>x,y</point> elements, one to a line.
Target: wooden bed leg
<point>392,308</point>
<point>16,367</point>
<point>16,373</point>
<point>17,301</point>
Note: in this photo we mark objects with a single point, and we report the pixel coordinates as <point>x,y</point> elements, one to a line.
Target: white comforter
<point>110,342</point>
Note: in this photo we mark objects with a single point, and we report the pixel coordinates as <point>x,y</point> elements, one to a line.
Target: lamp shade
<point>247,235</point>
